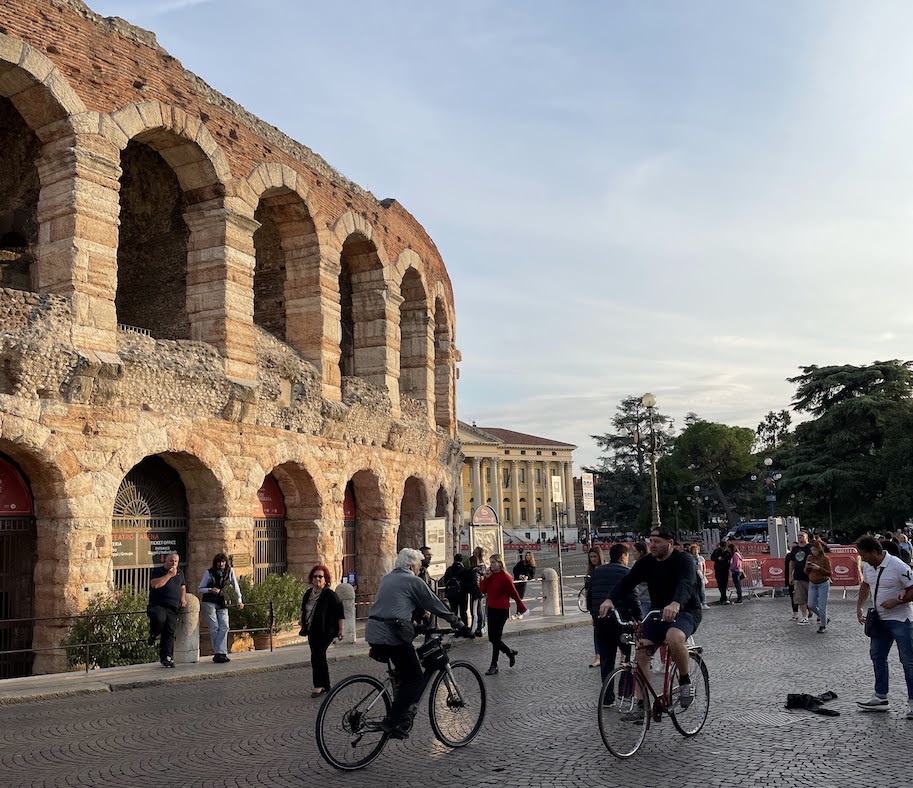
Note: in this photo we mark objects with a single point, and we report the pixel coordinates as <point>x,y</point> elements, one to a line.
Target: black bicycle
<point>349,733</point>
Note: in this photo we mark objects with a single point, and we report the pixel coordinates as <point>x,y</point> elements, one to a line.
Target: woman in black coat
<point>322,620</point>
<point>524,569</point>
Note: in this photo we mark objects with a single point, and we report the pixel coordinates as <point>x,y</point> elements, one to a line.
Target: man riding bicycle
<point>672,581</point>
<point>400,597</point>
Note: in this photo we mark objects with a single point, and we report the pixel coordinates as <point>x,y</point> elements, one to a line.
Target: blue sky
<point>688,198</point>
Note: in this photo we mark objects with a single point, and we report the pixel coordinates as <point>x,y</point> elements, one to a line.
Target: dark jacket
<point>327,614</point>
<point>524,568</point>
<point>454,582</point>
<point>602,583</point>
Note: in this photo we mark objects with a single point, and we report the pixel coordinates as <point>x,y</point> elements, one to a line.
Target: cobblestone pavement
<point>540,730</point>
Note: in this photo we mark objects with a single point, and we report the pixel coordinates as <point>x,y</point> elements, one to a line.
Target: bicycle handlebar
<point>650,614</point>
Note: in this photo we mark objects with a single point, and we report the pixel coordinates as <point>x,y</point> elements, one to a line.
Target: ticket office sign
<point>135,547</point>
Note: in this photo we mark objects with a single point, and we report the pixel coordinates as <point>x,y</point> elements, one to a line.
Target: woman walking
<point>594,558</point>
<point>524,569</point>
<point>499,589</point>
<point>818,569</point>
<point>735,569</point>
<point>322,620</point>
<point>699,567</point>
<point>214,586</point>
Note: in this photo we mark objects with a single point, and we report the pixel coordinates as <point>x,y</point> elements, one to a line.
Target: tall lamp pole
<point>697,506</point>
<point>770,484</point>
<point>649,402</point>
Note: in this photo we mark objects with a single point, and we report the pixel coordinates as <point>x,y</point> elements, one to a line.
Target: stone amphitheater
<point>211,340</point>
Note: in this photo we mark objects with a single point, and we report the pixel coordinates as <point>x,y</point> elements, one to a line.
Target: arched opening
<point>415,343</point>
<point>444,388</point>
<point>360,276</point>
<point>367,527</point>
<point>18,553</point>
<point>411,532</point>
<point>19,190</point>
<point>440,508</point>
<point>149,521</point>
<point>302,520</point>
<point>152,246</point>
<point>270,535</point>
<point>286,234</point>
<point>349,572</point>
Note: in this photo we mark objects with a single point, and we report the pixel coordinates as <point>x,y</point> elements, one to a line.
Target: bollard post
<point>187,636</point>
<point>551,602</point>
<point>346,594</point>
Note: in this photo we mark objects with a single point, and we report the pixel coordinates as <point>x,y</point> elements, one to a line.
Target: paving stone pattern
<point>540,729</point>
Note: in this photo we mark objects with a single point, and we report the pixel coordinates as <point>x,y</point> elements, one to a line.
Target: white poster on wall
<point>435,538</point>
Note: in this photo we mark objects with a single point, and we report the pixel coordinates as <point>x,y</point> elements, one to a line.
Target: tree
<point>623,473</point>
<point>716,454</point>
<point>853,459</point>
<point>772,431</point>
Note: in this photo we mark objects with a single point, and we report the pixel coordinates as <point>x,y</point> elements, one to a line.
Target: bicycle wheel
<point>689,722</point>
<point>582,606</point>
<point>456,706</point>
<point>348,723</point>
<point>623,712</point>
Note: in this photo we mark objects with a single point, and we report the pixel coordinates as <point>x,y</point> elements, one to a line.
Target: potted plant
<point>284,591</point>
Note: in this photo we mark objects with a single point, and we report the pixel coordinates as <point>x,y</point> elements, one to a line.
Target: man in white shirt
<point>890,582</point>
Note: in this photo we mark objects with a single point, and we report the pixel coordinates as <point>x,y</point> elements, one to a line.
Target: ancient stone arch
<point>412,511</point>
<point>444,368</point>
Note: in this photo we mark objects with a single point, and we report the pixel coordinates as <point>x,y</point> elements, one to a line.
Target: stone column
<point>443,384</point>
<point>416,359</point>
<point>495,491</point>
<point>531,495</point>
<point>515,493</point>
<point>548,508</point>
<point>78,210</point>
<point>375,311</point>
<point>476,481</point>
<point>569,494</point>
<point>220,284</point>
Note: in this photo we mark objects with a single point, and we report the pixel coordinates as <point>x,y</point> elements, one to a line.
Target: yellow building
<point>520,467</point>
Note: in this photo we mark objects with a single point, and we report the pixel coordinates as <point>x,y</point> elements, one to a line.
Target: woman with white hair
<point>390,631</point>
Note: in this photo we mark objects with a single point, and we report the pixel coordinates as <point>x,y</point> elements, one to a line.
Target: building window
<point>538,475</point>
<point>554,454</point>
<point>522,451</point>
<point>506,478</point>
<point>488,475</point>
<point>538,514</point>
<point>507,451</point>
<point>522,475</point>
<point>523,517</point>
<point>538,453</point>
<point>507,514</point>
<point>528,536</point>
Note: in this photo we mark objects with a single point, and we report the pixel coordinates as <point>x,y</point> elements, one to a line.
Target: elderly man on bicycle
<point>672,581</point>
<point>401,597</point>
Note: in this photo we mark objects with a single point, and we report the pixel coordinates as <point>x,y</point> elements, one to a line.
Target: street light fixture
<point>649,402</point>
<point>770,484</point>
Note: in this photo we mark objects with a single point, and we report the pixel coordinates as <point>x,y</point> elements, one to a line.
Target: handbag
<point>872,619</point>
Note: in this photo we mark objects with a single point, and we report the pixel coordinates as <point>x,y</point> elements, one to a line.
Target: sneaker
<point>738,602</point>
<point>795,616</point>
<point>910,710</point>
<point>395,730</point>
<point>167,662</point>
<point>635,714</point>
<point>609,702</point>
<point>685,694</point>
<point>705,606</point>
<point>875,703</point>
<point>822,630</point>
<point>803,622</point>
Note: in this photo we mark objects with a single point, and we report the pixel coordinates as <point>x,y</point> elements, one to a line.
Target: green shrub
<point>284,591</point>
<point>112,632</point>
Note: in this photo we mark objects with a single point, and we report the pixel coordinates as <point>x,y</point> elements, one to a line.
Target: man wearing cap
<point>672,582</point>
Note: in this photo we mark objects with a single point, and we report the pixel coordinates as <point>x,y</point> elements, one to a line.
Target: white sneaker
<point>910,709</point>
<point>705,606</point>
<point>875,703</point>
<point>803,622</point>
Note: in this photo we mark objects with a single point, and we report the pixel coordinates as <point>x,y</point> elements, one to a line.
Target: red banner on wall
<point>773,573</point>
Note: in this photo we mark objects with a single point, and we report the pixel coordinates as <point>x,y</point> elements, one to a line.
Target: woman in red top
<point>498,587</point>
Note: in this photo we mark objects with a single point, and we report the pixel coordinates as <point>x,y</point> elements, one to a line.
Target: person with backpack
<point>454,583</point>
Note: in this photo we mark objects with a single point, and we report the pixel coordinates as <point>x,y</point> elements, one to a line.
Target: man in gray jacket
<point>400,596</point>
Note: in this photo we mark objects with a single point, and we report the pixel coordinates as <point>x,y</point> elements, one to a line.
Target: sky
<point>688,198</point>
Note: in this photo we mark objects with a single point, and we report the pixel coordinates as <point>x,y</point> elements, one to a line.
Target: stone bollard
<point>346,594</point>
<point>551,605</point>
<point>187,636</point>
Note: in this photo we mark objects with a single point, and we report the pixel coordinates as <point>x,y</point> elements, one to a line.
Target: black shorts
<point>655,631</point>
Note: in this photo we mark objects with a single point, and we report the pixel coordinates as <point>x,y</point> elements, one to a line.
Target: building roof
<point>513,438</point>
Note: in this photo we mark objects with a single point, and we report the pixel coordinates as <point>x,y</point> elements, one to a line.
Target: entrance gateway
<point>18,550</point>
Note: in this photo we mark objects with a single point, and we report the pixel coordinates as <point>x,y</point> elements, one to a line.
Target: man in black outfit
<point>672,580</point>
<point>167,595</point>
<point>722,558</point>
<point>608,631</point>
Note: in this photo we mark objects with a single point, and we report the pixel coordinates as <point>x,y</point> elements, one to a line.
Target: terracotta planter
<point>261,642</point>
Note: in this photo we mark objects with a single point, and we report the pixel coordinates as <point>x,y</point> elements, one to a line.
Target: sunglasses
<point>317,577</point>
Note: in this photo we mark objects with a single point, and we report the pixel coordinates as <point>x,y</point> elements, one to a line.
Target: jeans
<point>479,617</point>
<point>901,633</point>
<point>217,621</point>
<point>817,599</point>
<point>737,584</point>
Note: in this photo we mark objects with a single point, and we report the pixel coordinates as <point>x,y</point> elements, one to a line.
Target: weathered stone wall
<point>161,204</point>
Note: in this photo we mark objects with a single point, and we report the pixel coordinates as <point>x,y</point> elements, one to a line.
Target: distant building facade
<point>511,472</point>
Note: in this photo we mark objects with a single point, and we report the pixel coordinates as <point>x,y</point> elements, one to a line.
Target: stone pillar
<point>515,492</point>
<point>443,384</point>
<point>551,604</point>
<point>304,547</point>
<point>346,595</point>
<point>312,312</point>
<point>495,491</point>
<point>416,359</point>
<point>220,284</point>
<point>548,514</point>
<point>476,480</point>
<point>78,210</point>
<point>569,493</point>
<point>375,311</point>
<point>187,636</point>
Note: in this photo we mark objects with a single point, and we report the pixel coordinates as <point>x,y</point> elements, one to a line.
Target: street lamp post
<point>770,485</point>
<point>649,402</point>
<point>675,504</point>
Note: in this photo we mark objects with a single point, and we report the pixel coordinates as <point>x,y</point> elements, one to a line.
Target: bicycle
<point>348,729</point>
<point>625,719</point>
